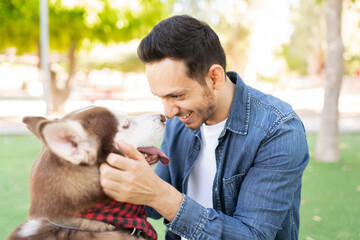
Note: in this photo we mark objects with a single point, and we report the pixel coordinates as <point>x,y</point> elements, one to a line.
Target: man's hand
<point>131,179</point>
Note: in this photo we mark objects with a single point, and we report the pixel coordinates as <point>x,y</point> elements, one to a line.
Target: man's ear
<point>69,140</point>
<point>217,76</point>
<point>31,123</point>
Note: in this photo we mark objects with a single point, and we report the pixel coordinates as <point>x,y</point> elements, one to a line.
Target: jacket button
<point>184,229</point>
<point>197,147</point>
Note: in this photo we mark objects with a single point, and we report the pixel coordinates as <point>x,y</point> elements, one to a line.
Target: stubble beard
<point>206,110</point>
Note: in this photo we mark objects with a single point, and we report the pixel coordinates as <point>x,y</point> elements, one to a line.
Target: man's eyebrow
<point>173,93</point>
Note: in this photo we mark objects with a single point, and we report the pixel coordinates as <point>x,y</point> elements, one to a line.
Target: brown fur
<point>49,231</point>
<point>59,188</point>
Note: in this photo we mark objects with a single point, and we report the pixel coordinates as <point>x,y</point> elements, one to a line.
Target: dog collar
<point>121,215</point>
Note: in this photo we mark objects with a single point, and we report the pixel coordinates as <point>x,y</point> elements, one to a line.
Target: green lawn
<point>331,194</point>
<point>330,199</point>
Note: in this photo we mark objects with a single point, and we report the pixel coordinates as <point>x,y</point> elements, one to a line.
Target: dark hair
<point>184,38</point>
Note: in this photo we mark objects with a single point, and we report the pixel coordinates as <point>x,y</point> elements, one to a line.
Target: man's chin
<point>194,122</point>
<point>192,125</point>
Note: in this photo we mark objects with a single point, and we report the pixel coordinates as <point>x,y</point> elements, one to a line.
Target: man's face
<point>182,96</point>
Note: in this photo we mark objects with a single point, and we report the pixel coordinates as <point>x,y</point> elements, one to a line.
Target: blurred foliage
<point>352,37</point>
<point>296,60</point>
<point>86,23</point>
<point>352,64</point>
<point>19,24</point>
<point>90,22</point>
<point>306,46</point>
<point>306,51</point>
<point>124,63</point>
<point>269,79</point>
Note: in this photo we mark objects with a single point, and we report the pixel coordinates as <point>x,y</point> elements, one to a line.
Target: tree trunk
<point>327,147</point>
<point>60,95</point>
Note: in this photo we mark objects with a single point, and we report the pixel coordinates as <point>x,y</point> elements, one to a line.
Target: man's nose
<point>170,109</point>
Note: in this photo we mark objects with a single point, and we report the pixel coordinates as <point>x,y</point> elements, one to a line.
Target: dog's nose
<point>162,118</point>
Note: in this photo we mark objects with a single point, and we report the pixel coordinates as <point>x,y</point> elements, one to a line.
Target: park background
<point>281,48</point>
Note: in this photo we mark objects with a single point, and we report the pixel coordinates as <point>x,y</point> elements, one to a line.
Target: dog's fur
<point>64,180</point>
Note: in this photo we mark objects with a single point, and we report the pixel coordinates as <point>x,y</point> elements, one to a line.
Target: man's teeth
<point>186,116</point>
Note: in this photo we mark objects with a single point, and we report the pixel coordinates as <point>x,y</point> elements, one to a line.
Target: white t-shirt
<point>202,174</point>
<point>201,177</point>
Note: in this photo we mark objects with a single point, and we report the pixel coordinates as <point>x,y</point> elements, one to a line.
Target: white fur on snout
<point>29,228</point>
<point>143,131</point>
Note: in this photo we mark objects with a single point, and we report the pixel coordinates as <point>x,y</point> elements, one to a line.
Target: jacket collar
<point>238,121</point>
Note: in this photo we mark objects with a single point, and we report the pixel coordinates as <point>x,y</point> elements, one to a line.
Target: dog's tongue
<point>155,151</point>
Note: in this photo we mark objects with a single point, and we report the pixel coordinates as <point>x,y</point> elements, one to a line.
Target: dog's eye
<point>126,124</point>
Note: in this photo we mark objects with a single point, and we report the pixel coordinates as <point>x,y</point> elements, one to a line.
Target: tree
<point>70,26</point>
<point>19,22</point>
<point>327,148</point>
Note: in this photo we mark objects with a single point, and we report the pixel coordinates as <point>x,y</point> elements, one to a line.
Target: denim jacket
<point>260,159</point>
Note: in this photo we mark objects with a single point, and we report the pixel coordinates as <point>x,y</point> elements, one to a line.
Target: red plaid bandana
<point>122,215</point>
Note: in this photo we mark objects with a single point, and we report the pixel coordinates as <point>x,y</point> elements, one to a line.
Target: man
<point>236,155</point>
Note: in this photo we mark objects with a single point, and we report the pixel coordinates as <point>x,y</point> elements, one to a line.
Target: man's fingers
<point>118,161</point>
<point>110,173</point>
<point>112,180</point>
<point>116,195</point>
<point>130,151</point>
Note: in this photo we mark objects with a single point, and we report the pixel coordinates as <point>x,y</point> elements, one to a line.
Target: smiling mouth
<point>185,116</point>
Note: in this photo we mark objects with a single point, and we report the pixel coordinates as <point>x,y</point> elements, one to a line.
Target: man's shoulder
<point>269,103</point>
<point>268,111</point>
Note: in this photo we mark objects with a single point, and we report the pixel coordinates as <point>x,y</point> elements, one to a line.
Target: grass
<point>331,194</point>
<point>330,197</point>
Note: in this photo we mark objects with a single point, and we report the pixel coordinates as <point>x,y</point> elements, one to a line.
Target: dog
<point>66,199</point>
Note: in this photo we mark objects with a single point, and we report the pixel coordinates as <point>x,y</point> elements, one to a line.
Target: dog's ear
<point>69,140</point>
<point>31,123</point>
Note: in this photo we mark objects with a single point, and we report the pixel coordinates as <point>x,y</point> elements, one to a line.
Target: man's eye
<point>177,96</point>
